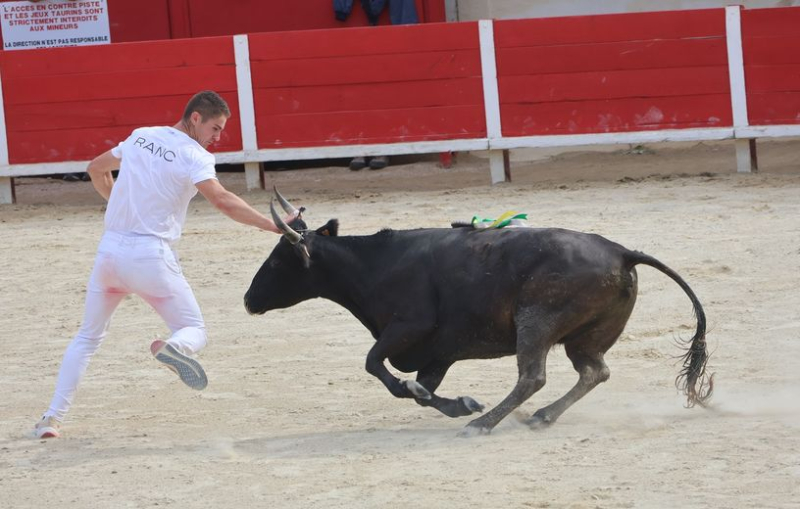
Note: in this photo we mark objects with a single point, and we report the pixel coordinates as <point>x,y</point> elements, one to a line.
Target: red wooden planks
<point>610,28</point>
<point>778,50</point>
<point>119,85</point>
<point>771,47</point>
<point>367,97</point>
<point>363,41</point>
<point>366,69</point>
<point>774,109</point>
<point>613,85</point>
<point>617,115</point>
<point>117,57</point>
<point>774,78</point>
<point>73,103</point>
<point>776,21</point>
<point>165,110</point>
<point>612,56</point>
<point>84,144</point>
<point>380,126</point>
<point>612,73</point>
<point>372,85</point>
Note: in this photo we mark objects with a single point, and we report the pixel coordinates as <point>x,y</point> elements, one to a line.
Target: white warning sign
<point>54,23</point>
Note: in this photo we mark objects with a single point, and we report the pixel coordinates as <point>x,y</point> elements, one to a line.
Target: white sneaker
<point>47,427</point>
<point>189,370</point>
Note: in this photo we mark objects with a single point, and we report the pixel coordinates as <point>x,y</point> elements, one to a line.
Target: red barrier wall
<point>340,87</point>
<point>613,73</point>
<point>771,45</point>
<point>66,104</point>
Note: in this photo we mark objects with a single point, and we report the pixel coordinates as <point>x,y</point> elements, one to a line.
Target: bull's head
<point>285,277</point>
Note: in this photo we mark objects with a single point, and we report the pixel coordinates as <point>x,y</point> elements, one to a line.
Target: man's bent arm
<point>100,172</point>
<point>234,207</point>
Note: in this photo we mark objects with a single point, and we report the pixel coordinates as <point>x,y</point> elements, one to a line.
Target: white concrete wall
<point>470,10</point>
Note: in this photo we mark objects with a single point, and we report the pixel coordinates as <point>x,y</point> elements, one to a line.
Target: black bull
<point>431,297</point>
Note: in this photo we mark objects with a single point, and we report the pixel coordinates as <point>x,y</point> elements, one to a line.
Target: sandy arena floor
<point>291,419</point>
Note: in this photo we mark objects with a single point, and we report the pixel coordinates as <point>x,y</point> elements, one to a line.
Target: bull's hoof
<point>417,390</point>
<point>472,431</point>
<point>539,421</point>
<point>470,404</point>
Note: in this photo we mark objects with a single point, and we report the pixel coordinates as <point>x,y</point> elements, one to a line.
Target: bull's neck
<point>345,269</point>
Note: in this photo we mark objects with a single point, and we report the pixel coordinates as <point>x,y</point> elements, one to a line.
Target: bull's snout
<point>247,304</point>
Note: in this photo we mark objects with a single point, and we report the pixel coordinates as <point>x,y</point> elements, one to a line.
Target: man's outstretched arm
<point>234,207</point>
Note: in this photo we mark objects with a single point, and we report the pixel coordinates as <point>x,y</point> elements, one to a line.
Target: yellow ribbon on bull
<point>508,219</point>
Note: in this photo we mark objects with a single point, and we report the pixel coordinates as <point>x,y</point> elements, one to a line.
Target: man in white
<point>160,170</point>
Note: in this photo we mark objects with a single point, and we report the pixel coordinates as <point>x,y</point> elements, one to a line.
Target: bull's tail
<point>693,379</point>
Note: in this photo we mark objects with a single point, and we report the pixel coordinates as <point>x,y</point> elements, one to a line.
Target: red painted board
<point>117,57</point>
<point>366,69</point>
<point>136,111</point>
<point>779,50</point>
<point>66,137</point>
<point>387,126</point>
<point>68,145</point>
<point>618,115</point>
<point>610,28</point>
<point>364,41</point>
<point>773,78</point>
<point>771,22</point>
<point>85,144</point>
<point>613,85</point>
<point>774,109</point>
<point>116,85</point>
<point>367,97</point>
<point>612,56</point>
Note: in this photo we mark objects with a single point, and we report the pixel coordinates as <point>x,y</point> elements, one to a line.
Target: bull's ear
<point>331,228</point>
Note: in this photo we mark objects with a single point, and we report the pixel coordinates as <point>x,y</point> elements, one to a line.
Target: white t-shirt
<point>157,177</point>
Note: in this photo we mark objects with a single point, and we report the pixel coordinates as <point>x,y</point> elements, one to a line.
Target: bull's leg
<point>395,339</point>
<point>533,344</point>
<point>430,377</point>
<point>592,371</point>
<point>586,349</point>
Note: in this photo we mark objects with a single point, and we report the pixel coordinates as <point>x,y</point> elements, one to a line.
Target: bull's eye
<point>275,263</point>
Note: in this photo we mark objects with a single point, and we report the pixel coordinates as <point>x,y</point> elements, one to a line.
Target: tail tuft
<point>693,380</point>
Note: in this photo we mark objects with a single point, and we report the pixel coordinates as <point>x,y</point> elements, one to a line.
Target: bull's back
<point>501,261</point>
<point>483,277</point>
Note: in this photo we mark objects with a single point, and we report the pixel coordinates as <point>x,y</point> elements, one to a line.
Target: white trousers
<point>127,263</point>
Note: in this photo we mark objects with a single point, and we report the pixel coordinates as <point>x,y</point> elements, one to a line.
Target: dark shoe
<point>358,163</point>
<point>378,163</point>
<point>72,177</point>
<point>85,177</point>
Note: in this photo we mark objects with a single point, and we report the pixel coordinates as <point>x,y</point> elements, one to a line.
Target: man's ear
<point>331,228</point>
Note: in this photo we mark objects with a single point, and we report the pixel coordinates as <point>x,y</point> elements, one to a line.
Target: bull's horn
<point>287,207</point>
<point>292,236</point>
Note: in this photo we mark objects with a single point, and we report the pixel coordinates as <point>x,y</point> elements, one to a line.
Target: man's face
<point>208,132</point>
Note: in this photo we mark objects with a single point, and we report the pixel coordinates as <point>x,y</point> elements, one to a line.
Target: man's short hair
<point>208,104</point>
